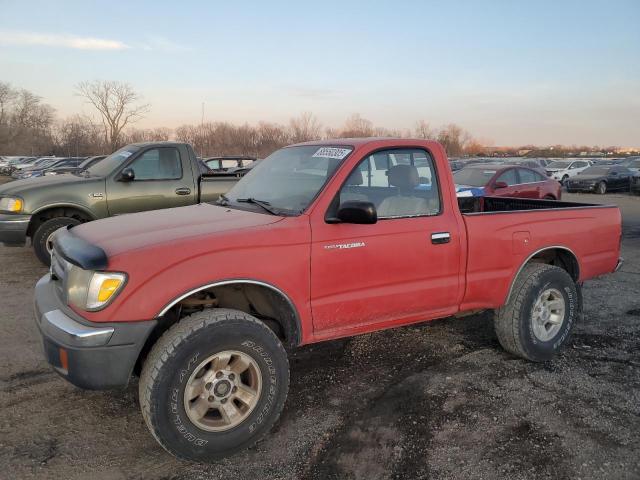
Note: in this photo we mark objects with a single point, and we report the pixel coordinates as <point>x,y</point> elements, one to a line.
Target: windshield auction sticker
<point>332,152</point>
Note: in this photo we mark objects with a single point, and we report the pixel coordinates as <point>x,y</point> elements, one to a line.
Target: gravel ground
<point>438,400</point>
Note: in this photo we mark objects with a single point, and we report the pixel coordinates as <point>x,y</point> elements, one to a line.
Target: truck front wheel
<point>539,316</point>
<point>42,237</point>
<point>213,384</point>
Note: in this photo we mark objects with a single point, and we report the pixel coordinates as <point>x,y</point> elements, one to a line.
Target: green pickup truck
<point>136,178</point>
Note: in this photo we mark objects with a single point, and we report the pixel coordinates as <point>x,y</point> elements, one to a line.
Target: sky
<point>511,72</point>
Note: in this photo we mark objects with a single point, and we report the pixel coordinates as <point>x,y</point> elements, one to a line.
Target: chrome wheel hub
<point>49,243</point>
<point>222,391</point>
<point>548,314</point>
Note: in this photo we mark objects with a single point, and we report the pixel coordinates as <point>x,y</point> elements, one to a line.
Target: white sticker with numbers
<point>332,152</point>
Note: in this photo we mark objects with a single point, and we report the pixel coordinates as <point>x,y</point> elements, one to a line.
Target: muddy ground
<point>439,400</point>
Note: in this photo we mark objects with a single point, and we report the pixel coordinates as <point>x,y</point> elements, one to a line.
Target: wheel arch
<point>556,255</point>
<point>265,301</point>
<point>58,210</point>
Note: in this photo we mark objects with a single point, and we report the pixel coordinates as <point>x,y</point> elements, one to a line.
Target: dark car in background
<point>601,179</point>
<point>40,169</point>
<point>632,164</point>
<point>12,163</point>
<point>505,181</point>
<point>39,163</point>
<point>71,168</point>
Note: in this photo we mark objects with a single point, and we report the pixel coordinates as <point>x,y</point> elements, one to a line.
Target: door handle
<point>440,237</point>
<point>183,191</point>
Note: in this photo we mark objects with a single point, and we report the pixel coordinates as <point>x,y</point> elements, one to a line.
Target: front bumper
<point>13,229</point>
<point>90,355</point>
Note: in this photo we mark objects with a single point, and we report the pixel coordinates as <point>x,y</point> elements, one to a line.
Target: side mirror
<point>498,185</point>
<point>127,175</point>
<point>356,211</point>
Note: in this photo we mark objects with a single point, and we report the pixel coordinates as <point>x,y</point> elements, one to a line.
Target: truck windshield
<point>113,161</point>
<point>473,177</point>
<point>289,179</point>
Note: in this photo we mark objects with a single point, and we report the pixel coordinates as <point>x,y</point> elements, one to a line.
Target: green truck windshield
<point>113,161</point>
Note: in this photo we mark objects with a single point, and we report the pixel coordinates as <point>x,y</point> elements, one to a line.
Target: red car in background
<point>505,181</point>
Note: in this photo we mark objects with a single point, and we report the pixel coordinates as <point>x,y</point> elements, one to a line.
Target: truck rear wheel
<point>213,384</point>
<point>539,316</point>
<point>42,237</point>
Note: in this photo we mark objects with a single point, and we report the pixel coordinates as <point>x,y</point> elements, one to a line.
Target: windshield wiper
<point>262,203</point>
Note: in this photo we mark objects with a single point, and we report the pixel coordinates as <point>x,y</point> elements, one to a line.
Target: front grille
<point>59,271</point>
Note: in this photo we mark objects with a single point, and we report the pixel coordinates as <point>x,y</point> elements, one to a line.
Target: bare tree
<point>78,135</point>
<point>304,128</point>
<point>117,104</point>
<point>356,126</point>
<point>423,130</point>
<point>134,135</point>
<point>453,138</point>
<point>7,95</point>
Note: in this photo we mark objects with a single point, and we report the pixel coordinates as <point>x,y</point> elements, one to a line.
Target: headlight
<point>89,290</point>
<point>50,173</point>
<point>11,204</point>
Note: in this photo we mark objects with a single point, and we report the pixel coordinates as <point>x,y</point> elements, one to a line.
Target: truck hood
<point>19,187</point>
<point>133,231</point>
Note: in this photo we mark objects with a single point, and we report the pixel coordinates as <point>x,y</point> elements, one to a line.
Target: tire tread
<point>171,340</point>
<point>506,318</point>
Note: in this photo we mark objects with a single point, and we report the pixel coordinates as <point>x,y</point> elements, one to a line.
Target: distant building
<point>522,153</point>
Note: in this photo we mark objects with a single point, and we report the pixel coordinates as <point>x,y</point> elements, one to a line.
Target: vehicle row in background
<point>479,176</point>
<point>43,165</point>
<point>601,179</point>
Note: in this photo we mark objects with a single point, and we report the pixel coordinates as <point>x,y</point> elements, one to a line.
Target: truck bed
<point>470,205</point>
<point>212,185</point>
<point>503,233</point>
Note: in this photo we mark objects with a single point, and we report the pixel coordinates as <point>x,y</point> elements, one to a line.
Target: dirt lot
<point>438,400</point>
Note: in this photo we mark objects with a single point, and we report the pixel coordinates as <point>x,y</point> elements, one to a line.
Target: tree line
<point>29,126</point>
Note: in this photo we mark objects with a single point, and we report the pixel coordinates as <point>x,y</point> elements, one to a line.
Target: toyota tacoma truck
<point>138,177</point>
<point>318,241</point>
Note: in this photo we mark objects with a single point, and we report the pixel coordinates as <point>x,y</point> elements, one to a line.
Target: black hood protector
<point>78,251</point>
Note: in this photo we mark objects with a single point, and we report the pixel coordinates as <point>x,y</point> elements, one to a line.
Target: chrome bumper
<point>65,329</point>
<point>13,229</point>
<point>619,264</point>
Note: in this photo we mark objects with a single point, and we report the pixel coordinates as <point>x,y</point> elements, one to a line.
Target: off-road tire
<point>513,322</point>
<point>178,353</point>
<point>43,232</point>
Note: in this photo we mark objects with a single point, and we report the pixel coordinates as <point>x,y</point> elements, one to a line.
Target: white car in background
<point>562,170</point>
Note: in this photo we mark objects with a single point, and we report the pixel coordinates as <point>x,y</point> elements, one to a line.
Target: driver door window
<point>158,164</point>
<point>398,182</point>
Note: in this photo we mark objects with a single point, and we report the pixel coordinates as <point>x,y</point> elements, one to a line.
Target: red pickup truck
<point>319,241</point>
